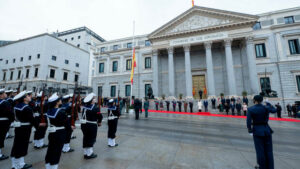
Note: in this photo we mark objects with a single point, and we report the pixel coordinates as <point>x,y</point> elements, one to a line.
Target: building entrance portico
<point>226,63</point>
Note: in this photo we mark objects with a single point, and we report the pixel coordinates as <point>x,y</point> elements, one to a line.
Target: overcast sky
<point>111,19</point>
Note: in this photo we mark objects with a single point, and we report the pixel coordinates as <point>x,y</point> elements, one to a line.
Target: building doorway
<point>199,83</point>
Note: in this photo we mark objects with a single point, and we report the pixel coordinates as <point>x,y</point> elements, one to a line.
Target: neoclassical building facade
<point>210,50</point>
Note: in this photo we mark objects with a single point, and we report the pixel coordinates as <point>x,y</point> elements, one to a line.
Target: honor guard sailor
<point>40,132</point>
<point>67,107</point>
<point>6,117</point>
<point>112,121</point>
<point>10,96</point>
<point>23,124</point>
<point>91,119</point>
<point>57,122</point>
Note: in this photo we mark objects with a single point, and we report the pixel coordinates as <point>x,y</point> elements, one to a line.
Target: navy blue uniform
<point>6,117</point>
<point>69,130</point>
<point>257,123</point>
<point>41,130</point>
<point>112,122</point>
<point>92,114</point>
<point>58,118</point>
<point>24,114</point>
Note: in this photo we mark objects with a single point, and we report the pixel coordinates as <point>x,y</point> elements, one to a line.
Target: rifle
<point>20,84</point>
<point>78,100</point>
<point>42,100</point>
<point>72,106</point>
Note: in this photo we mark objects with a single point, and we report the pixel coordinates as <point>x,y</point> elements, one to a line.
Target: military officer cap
<point>15,91</point>
<point>53,98</point>
<point>258,98</point>
<point>89,98</point>
<point>2,90</point>
<point>20,95</point>
<point>39,94</point>
<point>66,96</point>
<point>111,101</point>
<point>71,95</point>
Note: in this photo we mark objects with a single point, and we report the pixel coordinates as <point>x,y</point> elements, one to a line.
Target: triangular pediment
<point>199,19</point>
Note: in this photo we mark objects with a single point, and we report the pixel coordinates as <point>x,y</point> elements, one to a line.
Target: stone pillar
<point>230,68</point>
<point>188,71</point>
<point>171,71</point>
<point>155,73</point>
<point>210,70</point>
<point>107,65</point>
<point>252,66</point>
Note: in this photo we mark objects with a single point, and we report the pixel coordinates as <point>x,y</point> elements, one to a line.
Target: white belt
<point>59,128</point>
<point>36,114</point>
<point>3,119</point>
<point>112,117</point>
<point>92,122</point>
<point>25,124</point>
<point>53,129</point>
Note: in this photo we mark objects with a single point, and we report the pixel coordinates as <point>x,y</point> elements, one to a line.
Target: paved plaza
<point>173,141</point>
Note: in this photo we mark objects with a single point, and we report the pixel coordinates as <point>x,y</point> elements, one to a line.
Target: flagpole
<point>133,46</point>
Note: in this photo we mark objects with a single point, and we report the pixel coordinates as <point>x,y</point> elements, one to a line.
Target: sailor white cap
<point>20,95</point>
<point>111,100</point>
<point>15,91</point>
<point>28,92</point>
<point>66,96</point>
<point>2,90</point>
<point>53,98</point>
<point>89,97</point>
<point>8,91</point>
<point>39,94</point>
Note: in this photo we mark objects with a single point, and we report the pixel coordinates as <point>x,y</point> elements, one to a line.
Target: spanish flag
<point>193,3</point>
<point>133,65</point>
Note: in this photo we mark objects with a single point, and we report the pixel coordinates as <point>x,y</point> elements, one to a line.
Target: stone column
<point>107,65</point>
<point>230,68</point>
<point>252,66</point>
<point>171,71</point>
<point>188,71</point>
<point>210,70</point>
<point>155,72</point>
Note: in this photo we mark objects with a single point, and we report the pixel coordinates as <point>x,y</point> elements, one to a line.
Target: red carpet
<point>220,115</point>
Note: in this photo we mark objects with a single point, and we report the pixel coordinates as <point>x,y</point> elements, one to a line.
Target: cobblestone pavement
<point>172,141</point>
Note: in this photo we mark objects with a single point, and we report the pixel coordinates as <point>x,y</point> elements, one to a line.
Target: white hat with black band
<point>53,98</point>
<point>20,95</point>
<point>89,98</point>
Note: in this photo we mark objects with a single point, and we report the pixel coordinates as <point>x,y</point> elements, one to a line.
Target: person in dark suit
<point>257,124</point>
<point>227,107</point>
<point>232,107</point>
<point>213,103</point>
<point>245,100</point>
<point>223,101</point>
<point>279,109</point>
<point>233,99</point>
<point>174,105</point>
<point>238,107</point>
<point>179,105</point>
<point>168,105</point>
<point>137,108</point>
<point>191,105</point>
<point>205,102</point>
